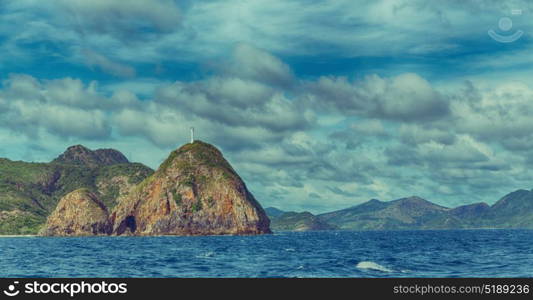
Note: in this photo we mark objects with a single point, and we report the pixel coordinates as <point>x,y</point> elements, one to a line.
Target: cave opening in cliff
<point>130,223</point>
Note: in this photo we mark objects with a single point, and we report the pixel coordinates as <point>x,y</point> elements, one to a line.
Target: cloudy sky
<point>319,105</point>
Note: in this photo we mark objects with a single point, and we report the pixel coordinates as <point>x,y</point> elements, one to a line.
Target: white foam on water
<point>206,255</point>
<point>370,265</point>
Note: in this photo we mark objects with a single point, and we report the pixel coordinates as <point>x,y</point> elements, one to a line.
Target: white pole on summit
<point>192,135</point>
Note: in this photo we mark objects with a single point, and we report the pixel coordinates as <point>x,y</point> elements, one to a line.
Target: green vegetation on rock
<point>200,154</point>
<point>197,206</point>
<point>177,197</point>
<point>210,198</point>
<point>35,188</point>
<point>21,224</point>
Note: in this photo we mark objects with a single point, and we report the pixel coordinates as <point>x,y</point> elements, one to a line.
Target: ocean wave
<point>370,265</point>
<point>206,255</point>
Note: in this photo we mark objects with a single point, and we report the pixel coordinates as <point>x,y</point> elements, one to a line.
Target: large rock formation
<point>80,155</point>
<point>79,213</point>
<point>194,192</point>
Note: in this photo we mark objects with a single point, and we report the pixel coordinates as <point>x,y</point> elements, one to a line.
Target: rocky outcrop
<point>194,192</point>
<point>80,155</point>
<point>79,213</point>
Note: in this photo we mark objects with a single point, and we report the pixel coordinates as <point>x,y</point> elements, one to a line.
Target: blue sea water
<point>464,253</point>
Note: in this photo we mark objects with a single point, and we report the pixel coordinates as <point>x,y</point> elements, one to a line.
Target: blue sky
<point>319,105</point>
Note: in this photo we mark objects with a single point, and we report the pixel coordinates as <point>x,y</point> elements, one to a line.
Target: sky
<point>318,105</point>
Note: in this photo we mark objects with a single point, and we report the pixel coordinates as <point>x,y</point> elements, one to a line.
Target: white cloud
<point>120,18</point>
<point>236,102</point>
<point>63,107</point>
<point>497,113</point>
<point>406,97</point>
<point>252,63</point>
<point>419,134</point>
<point>411,137</point>
<point>371,127</point>
<point>465,149</point>
<point>108,66</point>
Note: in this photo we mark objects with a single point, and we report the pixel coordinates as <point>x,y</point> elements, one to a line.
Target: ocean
<point>443,253</point>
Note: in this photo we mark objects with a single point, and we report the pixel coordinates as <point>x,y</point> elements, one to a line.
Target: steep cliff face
<point>194,192</point>
<point>79,213</point>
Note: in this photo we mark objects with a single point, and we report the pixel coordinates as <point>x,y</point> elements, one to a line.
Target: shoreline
<point>273,233</point>
<point>15,235</point>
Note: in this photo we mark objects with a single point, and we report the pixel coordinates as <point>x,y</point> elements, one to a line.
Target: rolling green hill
<point>406,213</point>
<point>295,221</point>
<point>273,212</point>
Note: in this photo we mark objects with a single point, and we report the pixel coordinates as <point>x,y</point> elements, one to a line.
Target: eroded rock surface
<point>79,213</point>
<point>194,192</point>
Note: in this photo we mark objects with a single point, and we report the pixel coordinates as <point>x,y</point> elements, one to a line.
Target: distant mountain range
<point>296,221</point>
<point>514,210</point>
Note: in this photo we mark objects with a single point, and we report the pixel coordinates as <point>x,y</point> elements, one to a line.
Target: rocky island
<point>195,191</point>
